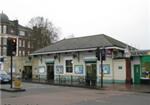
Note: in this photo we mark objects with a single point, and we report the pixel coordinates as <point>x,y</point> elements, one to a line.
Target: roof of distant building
<point>140,52</point>
<point>87,42</point>
<point>4,18</point>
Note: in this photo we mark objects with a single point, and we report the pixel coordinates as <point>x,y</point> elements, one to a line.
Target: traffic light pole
<point>11,72</point>
<point>101,72</point>
<point>103,57</point>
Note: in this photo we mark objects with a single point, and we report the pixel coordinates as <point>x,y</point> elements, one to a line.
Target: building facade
<point>141,67</point>
<point>75,59</point>
<point>12,29</point>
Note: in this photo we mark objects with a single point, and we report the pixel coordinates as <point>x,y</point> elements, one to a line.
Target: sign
<point>59,69</point>
<point>41,69</point>
<point>106,68</point>
<point>78,69</point>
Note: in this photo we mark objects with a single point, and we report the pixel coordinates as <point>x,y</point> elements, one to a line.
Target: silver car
<point>4,77</point>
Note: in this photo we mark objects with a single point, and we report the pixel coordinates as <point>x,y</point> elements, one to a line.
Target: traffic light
<point>11,46</point>
<point>103,54</point>
<point>98,53</point>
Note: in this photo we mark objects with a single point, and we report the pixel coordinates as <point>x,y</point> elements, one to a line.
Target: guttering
<point>53,52</point>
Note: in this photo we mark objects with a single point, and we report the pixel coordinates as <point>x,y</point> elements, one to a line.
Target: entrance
<point>27,73</point>
<point>50,72</point>
<point>91,74</point>
<point>136,74</point>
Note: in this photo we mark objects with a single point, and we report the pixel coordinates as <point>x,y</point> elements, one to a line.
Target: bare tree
<point>43,32</point>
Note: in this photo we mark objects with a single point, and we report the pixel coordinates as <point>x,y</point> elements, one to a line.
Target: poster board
<point>78,69</point>
<point>106,68</point>
<point>59,69</point>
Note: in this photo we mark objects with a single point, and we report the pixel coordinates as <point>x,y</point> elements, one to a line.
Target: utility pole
<point>101,73</point>
<point>103,57</point>
<point>11,74</point>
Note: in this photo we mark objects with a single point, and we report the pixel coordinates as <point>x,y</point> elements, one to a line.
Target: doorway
<point>91,74</point>
<point>136,74</point>
<point>50,72</point>
<point>27,73</point>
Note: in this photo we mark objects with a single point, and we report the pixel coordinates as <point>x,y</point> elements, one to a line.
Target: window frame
<point>23,43</point>
<point>69,66</point>
<point>4,29</point>
<point>4,41</point>
<point>0,29</point>
<point>20,43</point>
<point>4,51</point>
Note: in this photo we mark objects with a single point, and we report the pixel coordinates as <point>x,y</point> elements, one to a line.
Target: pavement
<point>128,87</point>
<point>112,87</point>
<point>8,88</point>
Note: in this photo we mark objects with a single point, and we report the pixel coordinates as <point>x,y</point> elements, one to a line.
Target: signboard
<point>59,69</point>
<point>78,69</point>
<point>41,69</point>
<point>106,68</point>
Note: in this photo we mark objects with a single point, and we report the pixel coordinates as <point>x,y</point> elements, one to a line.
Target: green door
<point>91,74</point>
<point>136,74</point>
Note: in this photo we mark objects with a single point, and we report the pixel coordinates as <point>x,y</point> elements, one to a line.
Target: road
<point>38,94</point>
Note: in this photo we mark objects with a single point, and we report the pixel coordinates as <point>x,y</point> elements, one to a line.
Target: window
<point>12,31</point>
<point>120,67</point>
<point>21,33</point>
<point>28,52</point>
<point>20,43</point>
<point>23,43</point>
<point>4,29</point>
<point>4,51</point>
<point>23,53</point>
<point>0,29</point>
<point>19,53</point>
<point>4,41</point>
<point>0,52</point>
<point>28,44</point>
<point>69,66</point>
<point>0,41</point>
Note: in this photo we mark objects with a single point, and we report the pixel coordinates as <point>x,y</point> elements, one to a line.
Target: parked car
<point>4,77</point>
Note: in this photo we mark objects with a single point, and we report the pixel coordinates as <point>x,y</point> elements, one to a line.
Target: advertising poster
<point>106,68</point>
<point>78,69</point>
<point>59,69</point>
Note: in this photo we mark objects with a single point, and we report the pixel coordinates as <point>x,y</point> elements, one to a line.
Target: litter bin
<point>17,82</point>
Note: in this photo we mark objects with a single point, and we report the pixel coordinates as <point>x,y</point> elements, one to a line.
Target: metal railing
<point>68,80</point>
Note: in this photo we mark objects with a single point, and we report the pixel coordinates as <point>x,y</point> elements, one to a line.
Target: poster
<point>41,70</point>
<point>59,69</point>
<point>78,69</point>
<point>106,68</point>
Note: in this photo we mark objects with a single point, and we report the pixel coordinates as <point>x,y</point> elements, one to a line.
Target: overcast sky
<point>125,20</point>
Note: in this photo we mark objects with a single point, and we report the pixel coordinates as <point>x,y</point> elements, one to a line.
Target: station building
<point>75,58</point>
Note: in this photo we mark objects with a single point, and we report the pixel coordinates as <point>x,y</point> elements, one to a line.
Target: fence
<point>68,80</point>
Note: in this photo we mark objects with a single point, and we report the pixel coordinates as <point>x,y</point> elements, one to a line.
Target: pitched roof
<point>83,43</point>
